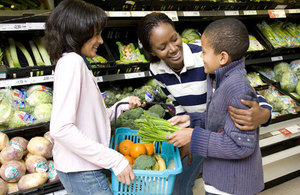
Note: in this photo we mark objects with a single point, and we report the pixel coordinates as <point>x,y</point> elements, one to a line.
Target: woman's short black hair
<point>146,26</point>
<point>229,35</point>
<point>70,25</point>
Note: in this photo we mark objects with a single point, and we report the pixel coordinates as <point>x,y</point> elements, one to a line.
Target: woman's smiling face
<point>166,44</point>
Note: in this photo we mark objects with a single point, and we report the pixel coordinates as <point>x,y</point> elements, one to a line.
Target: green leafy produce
<point>127,118</point>
<point>295,67</point>
<point>42,50</point>
<point>25,52</point>
<point>298,88</point>
<point>20,119</point>
<point>17,94</point>
<point>283,103</point>
<point>22,105</point>
<point>142,91</point>
<point>109,97</point>
<point>32,88</point>
<point>39,97</point>
<point>9,58</point>
<point>42,112</point>
<point>156,111</point>
<point>13,53</point>
<point>288,81</point>
<point>254,45</point>
<point>190,35</point>
<point>36,54</point>
<point>6,111</point>
<point>153,129</point>
<point>271,98</point>
<point>280,68</point>
<point>144,162</point>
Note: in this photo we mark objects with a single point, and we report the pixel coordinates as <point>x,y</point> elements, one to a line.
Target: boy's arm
<point>255,115</point>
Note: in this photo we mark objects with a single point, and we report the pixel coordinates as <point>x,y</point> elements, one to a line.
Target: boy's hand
<point>181,120</point>
<point>249,119</point>
<point>126,176</point>
<point>181,137</point>
<point>135,102</point>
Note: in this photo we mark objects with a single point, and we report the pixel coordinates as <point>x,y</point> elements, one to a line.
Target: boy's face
<point>211,60</point>
<point>166,44</point>
<point>89,48</point>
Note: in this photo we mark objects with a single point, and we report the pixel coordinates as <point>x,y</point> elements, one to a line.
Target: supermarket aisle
<point>291,187</point>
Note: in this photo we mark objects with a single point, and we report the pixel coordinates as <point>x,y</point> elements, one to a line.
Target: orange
<point>149,149</point>
<point>130,159</point>
<point>124,146</point>
<point>137,149</point>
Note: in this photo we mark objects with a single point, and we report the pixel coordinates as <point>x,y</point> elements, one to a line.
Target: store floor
<point>291,187</point>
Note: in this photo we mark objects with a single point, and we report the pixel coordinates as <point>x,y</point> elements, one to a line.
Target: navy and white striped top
<point>188,90</point>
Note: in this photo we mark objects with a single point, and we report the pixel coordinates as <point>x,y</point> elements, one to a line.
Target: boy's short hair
<point>229,35</point>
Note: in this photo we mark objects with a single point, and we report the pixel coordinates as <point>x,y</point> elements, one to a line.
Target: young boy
<point>233,163</point>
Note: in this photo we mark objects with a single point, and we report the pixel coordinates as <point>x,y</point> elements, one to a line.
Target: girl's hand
<point>181,137</point>
<point>249,119</point>
<point>135,102</point>
<point>181,120</point>
<point>126,176</point>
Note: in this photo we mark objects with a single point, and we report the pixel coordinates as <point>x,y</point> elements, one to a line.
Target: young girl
<point>178,68</point>
<point>80,122</point>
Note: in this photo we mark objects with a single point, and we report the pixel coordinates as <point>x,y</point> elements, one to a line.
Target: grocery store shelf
<point>279,125</point>
<point>272,59</point>
<point>50,78</point>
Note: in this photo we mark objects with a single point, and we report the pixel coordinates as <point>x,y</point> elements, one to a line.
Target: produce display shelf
<point>272,59</point>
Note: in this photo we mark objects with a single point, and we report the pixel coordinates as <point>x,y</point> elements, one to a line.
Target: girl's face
<point>90,47</point>
<point>211,60</point>
<point>166,44</point>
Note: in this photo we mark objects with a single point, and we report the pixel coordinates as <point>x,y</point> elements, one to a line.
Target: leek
<point>9,59</point>
<point>43,51</point>
<point>25,52</point>
<point>37,57</point>
<point>13,53</point>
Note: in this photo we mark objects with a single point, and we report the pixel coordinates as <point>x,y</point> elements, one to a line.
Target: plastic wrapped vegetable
<point>298,88</point>
<point>33,88</point>
<point>129,54</point>
<point>284,102</point>
<point>190,35</point>
<point>18,94</point>
<point>273,38</point>
<point>254,45</point>
<point>40,96</point>
<point>6,111</point>
<point>288,81</point>
<point>42,112</point>
<point>20,119</point>
<point>255,79</point>
<point>295,67</point>
<point>279,69</point>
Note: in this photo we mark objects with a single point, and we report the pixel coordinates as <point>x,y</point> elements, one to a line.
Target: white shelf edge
<point>280,155</point>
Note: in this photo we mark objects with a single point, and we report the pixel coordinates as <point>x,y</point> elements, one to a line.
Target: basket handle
<point>116,112</point>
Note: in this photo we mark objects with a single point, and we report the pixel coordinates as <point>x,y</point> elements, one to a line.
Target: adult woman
<point>80,122</point>
<point>179,70</point>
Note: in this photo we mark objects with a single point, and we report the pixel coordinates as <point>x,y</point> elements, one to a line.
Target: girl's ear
<point>225,58</point>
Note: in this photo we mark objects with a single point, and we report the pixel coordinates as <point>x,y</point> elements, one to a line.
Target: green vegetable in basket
<point>153,129</point>
<point>144,162</point>
<point>288,81</point>
<point>127,118</point>
<point>280,68</point>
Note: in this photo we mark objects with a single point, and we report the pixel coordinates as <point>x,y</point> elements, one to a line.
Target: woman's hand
<point>135,102</point>
<point>126,176</point>
<point>180,137</point>
<point>249,119</point>
<point>181,120</point>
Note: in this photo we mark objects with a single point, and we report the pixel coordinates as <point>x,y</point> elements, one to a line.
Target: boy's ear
<point>225,58</point>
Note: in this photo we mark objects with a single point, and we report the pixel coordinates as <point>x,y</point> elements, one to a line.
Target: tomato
<point>149,149</point>
<point>124,146</point>
<point>137,149</point>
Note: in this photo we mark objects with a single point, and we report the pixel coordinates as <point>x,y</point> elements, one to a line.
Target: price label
<point>13,27</point>
<point>139,13</point>
<point>42,79</point>
<point>134,75</point>
<point>119,14</point>
<point>231,13</point>
<point>191,14</point>
<point>250,12</point>
<point>2,75</point>
<point>99,79</point>
<point>172,15</point>
<point>35,25</point>
<point>277,13</point>
<point>17,82</point>
<point>276,58</point>
<point>294,11</point>
<point>284,131</point>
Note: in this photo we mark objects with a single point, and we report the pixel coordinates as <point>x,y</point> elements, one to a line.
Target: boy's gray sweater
<point>233,160</point>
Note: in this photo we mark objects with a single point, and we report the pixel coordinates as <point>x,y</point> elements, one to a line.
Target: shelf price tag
<point>231,13</point>
<point>17,82</point>
<point>171,14</point>
<point>119,14</point>
<point>42,79</point>
<point>277,13</point>
<point>99,79</point>
<point>134,75</point>
<point>191,13</point>
<point>35,25</point>
<point>294,11</point>
<point>13,27</point>
<point>284,131</point>
<point>139,13</point>
<point>250,12</point>
<point>276,58</point>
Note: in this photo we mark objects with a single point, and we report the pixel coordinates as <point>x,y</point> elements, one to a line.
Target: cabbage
<point>39,97</point>
<point>190,35</point>
<point>271,98</point>
<point>6,110</point>
<point>288,81</point>
<point>18,94</point>
<point>298,88</point>
<point>22,106</point>
<point>37,87</point>
<point>283,103</point>
<point>42,112</point>
<point>295,66</point>
<point>280,68</point>
<point>21,119</point>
